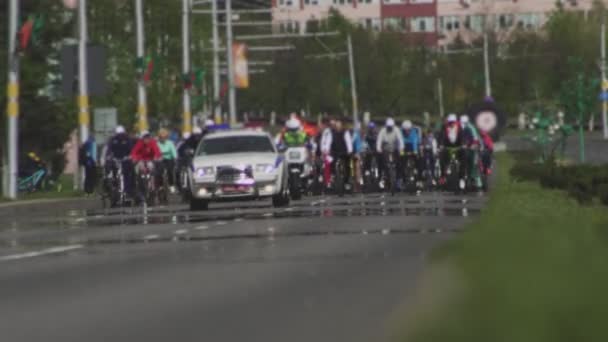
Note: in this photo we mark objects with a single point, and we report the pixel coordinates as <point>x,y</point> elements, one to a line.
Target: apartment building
<point>433,22</point>
<point>467,18</point>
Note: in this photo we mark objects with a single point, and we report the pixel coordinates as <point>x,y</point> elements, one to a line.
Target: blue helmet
<point>371,125</point>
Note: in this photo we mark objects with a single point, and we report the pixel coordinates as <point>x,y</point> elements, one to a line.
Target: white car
<point>238,165</point>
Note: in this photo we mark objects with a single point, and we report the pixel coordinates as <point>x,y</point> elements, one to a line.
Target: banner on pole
<point>241,69</point>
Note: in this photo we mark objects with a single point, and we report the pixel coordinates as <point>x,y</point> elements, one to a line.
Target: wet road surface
<point>324,269</point>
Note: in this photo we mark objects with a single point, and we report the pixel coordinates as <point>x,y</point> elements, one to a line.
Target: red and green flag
<point>145,68</point>
<point>30,31</point>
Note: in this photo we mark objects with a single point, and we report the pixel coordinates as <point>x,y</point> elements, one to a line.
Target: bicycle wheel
<point>339,178</point>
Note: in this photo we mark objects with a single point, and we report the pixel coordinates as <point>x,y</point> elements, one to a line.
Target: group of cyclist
<point>456,156</point>
<point>138,167</point>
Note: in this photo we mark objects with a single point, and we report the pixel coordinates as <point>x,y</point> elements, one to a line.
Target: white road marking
<point>238,219</point>
<point>271,230</point>
<point>220,223</point>
<point>267,215</point>
<point>151,237</point>
<point>48,251</point>
<point>181,231</point>
<point>201,228</point>
<point>386,231</point>
<point>289,209</point>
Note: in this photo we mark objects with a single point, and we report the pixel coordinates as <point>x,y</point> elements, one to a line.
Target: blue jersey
<point>411,140</point>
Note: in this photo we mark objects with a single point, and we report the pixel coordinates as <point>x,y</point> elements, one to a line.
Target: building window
<point>395,24</point>
<point>449,23</point>
<point>477,23</point>
<point>422,24</point>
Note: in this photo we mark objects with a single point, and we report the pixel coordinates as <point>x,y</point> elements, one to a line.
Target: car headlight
<point>264,168</point>
<point>204,172</point>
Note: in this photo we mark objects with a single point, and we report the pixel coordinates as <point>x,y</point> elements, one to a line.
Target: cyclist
<point>191,142</point>
<point>169,156</point>
<point>338,142</point>
<point>293,135</point>
<point>357,142</point>
<point>411,142</point>
<point>389,140</point>
<point>451,138</point>
<point>472,145</point>
<point>145,153</point>
<point>487,152</point>
<point>428,146</point>
<point>118,149</point>
<point>87,158</point>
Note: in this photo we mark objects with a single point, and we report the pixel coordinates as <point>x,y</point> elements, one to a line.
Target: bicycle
<point>32,182</point>
<point>391,172</point>
<point>371,174</point>
<point>114,185</point>
<point>410,173</point>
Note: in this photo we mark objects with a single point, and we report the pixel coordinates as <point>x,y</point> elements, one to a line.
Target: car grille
<point>229,174</point>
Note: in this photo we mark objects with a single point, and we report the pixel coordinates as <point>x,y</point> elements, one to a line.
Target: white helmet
<point>197,130</point>
<point>144,133</point>
<point>452,118</point>
<point>390,122</point>
<point>464,119</point>
<point>293,124</point>
<point>209,123</point>
<point>186,135</point>
<point>407,124</point>
<point>119,129</point>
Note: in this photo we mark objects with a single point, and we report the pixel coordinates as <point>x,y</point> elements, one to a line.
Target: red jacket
<point>487,141</point>
<point>145,152</point>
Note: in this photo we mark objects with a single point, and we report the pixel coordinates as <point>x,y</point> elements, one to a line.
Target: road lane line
<point>201,228</point>
<point>151,237</point>
<point>48,251</point>
<point>181,231</point>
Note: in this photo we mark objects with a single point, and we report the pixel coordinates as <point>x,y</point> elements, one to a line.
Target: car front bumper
<point>218,191</point>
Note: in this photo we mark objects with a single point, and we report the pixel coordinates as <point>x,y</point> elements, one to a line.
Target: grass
<point>534,267</point>
<point>64,188</point>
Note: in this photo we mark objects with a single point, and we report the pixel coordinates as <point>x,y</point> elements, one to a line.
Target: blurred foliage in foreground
<point>532,268</point>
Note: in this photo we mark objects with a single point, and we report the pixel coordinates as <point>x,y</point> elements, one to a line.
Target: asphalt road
<point>324,269</point>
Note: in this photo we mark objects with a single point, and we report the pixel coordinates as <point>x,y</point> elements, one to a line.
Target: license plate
<point>235,188</point>
<point>294,155</point>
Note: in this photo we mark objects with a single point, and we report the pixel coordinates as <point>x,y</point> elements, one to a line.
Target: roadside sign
<point>105,121</point>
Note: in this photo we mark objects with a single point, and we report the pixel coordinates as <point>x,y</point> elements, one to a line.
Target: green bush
<point>581,190</point>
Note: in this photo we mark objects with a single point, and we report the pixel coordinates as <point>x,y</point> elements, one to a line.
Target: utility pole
<point>440,96</point>
<point>83,97</point>
<point>83,84</point>
<point>353,81</point>
<point>486,64</point>
<point>230,59</point>
<point>142,106</point>
<point>187,125</point>
<point>604,82</point>
<point>216,63</point>
<point>12,110</point>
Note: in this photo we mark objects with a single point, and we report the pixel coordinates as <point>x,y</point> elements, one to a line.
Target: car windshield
<point>235,144</point>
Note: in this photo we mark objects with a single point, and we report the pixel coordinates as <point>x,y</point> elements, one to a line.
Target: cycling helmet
<point>464,119</point>
<point>209,123</point>
<point>145,134</point>
<point>119,130</point>
<point>390,122</point>
<point>407,124</point>
<point>186,135</point>
<point>197,130</point>
<point>371,125</point>
<point>292,124</point>
<point>452,118</point>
